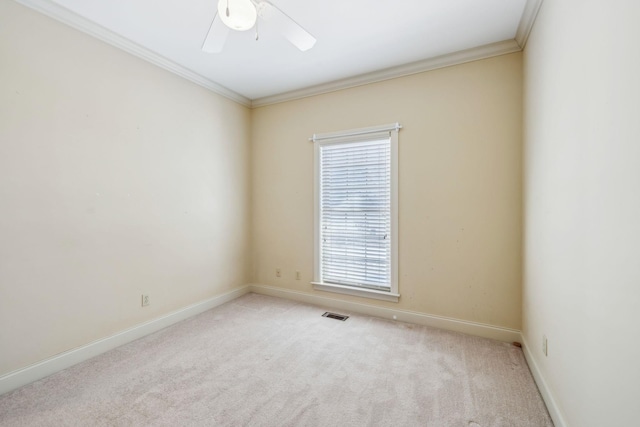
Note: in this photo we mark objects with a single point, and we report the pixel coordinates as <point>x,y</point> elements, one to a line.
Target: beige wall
<point>460,186</point>
<point>116,178</point>
<point>582,207</point>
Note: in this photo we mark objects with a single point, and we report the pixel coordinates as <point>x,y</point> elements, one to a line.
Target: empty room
<point>296,213</point>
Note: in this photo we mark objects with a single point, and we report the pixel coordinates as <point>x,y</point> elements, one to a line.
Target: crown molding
<point>61,14</point>
<point>460,57</point>
<point>531,9</point>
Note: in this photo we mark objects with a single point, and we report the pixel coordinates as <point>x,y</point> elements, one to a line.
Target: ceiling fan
<point>242,15</point>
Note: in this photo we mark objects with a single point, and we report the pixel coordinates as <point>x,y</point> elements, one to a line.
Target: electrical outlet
<point>278,272</point>
<point>544,345</point>
<point>297,275</point>
<point>145,300</point>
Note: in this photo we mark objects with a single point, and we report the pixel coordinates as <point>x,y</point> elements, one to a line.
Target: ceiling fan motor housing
<point>239,15</point>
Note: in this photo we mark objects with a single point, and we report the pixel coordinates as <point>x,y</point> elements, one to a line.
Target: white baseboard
<point>24,376</point>
<point>547,396</point>
<point>19,378</point>
<point>471,328</point>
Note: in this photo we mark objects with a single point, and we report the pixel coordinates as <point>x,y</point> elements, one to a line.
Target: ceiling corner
<point>531,9</point>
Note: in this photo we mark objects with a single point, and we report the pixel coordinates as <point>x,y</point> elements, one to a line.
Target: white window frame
<point>357,135</point>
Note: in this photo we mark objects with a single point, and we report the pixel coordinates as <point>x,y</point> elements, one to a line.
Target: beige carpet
<point>262,361</point>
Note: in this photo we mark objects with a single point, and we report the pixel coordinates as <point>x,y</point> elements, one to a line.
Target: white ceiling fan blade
<point>216,37</point>
<point>289,28</point>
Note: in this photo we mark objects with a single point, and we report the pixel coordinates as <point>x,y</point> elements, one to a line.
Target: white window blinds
<point>355,212</point>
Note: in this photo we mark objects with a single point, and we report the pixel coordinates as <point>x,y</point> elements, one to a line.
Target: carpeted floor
<point>263,361</point>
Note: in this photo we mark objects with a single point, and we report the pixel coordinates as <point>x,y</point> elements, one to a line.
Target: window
<point>356,231</point>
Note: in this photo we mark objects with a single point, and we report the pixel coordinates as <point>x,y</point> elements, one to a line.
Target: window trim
<point>353,135</point>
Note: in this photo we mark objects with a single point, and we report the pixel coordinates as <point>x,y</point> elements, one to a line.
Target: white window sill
<point>359,292</point>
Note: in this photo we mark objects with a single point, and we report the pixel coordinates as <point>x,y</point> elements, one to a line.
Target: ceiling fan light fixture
<point>242,14</point>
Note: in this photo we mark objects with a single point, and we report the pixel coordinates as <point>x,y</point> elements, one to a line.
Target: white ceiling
<point>354,38</point>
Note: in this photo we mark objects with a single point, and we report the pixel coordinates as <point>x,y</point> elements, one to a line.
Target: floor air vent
<point>335,316</point>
